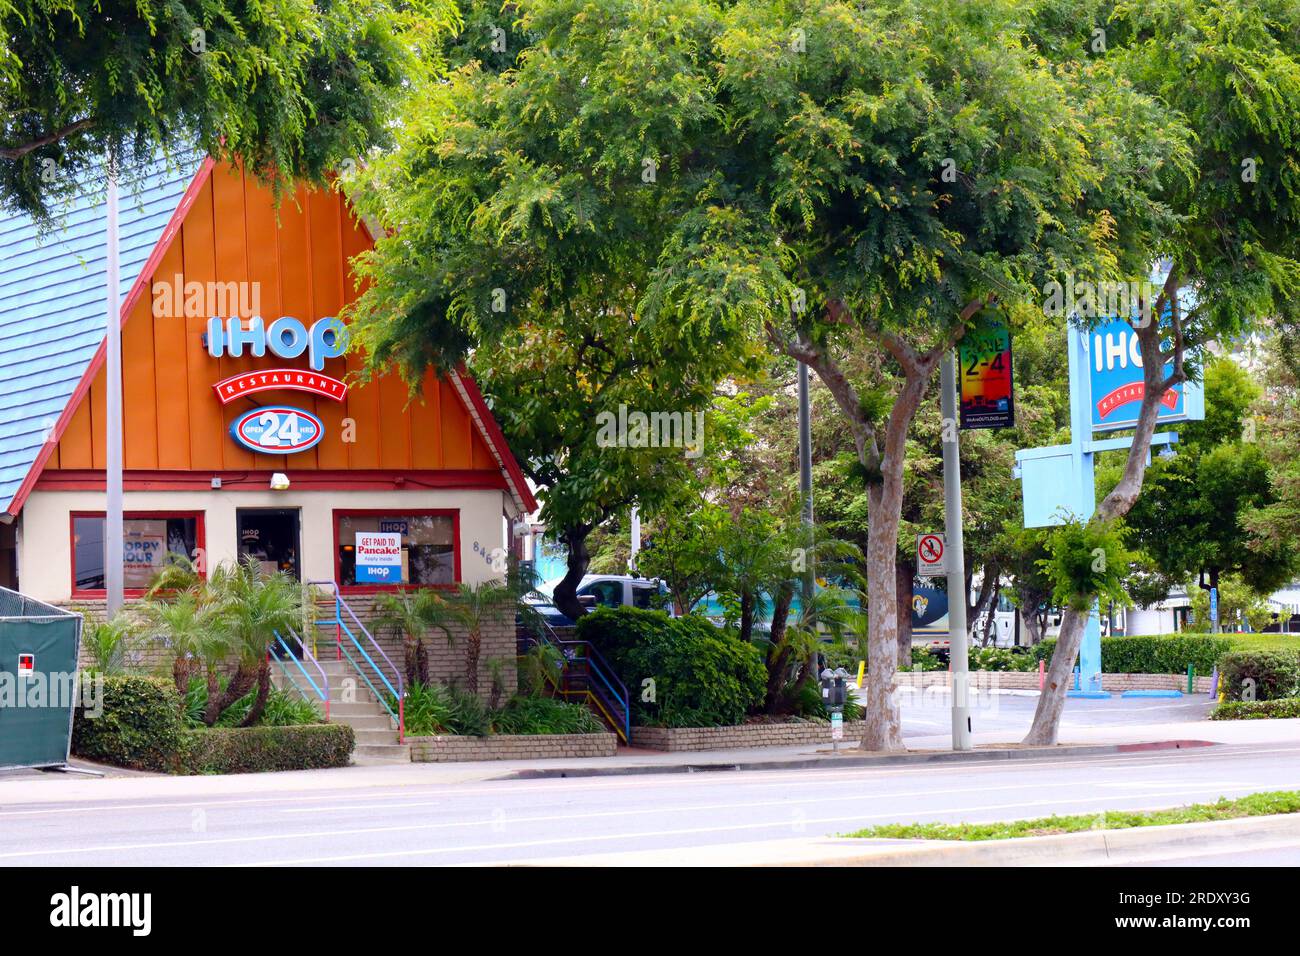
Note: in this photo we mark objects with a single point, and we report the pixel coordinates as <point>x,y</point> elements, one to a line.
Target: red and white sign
<point>26,665</point>
<point>295,379</point>
<point>930,559</point>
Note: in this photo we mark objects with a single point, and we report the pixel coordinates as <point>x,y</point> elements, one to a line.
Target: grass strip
<point>1255,805</point>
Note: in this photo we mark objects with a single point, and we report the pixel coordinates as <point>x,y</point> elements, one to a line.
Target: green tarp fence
<point>38,681</point>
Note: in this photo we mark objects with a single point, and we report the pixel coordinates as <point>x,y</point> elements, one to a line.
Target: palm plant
<point>250,607</point>
<point>109,644</point>
<point>832,613</point>
<point>412,613</point>
<point>188,623</point>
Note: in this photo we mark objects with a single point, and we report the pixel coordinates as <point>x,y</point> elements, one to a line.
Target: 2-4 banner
<point>986,387</point>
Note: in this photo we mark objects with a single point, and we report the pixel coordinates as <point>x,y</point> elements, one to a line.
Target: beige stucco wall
<point>44,539</point>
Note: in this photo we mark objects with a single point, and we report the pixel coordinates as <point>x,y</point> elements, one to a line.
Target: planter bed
<point>1028,680</point>
<point>790,733</point>
<point>448,748</point>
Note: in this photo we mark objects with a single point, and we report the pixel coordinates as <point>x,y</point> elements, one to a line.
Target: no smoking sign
<point>930,551</point>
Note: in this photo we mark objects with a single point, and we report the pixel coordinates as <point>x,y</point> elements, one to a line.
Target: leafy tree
<point>1189,520</point>
<point>1231,69</point>
<point>1275,424</point>
<point>291,89</point>
<point>1239,604</point>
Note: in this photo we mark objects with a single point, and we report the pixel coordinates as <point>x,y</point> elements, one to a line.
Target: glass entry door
<point>271,535</point>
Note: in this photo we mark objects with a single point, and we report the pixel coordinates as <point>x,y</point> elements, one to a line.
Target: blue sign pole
<point>1058,482</point>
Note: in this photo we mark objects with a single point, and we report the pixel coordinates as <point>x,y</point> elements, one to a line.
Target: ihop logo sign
<point>286,337</point>
<point>1117,384</point>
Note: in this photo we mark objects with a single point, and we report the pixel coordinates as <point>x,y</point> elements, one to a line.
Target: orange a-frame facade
<point>431,468</point>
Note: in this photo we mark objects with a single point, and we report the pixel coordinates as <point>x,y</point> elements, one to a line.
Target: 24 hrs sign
<point>277,430</point>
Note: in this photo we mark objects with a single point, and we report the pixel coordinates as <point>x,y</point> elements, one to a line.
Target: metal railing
<point>586,675</point>
<point>346,641</point>
<point>323,688</point>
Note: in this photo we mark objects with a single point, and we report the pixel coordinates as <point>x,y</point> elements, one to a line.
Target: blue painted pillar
<point>1081,498</point>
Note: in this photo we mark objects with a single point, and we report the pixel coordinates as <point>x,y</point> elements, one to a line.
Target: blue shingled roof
<point>52,289</point>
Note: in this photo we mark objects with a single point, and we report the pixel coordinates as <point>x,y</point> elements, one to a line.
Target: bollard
<point>862,666</point>
<point>1042,674</point>
<point>1191,677</point>
<point>1076,678</point>
<point>1214,682</point>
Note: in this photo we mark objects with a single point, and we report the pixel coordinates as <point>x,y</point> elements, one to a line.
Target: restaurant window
<point>147,539</point>
<point>377,549</point>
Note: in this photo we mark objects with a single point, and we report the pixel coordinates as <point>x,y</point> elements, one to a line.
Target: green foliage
<point>540,668</point>
<point>292,88</point>
<point>1260,675</point>
<point>217,750</point>
<point>470,716</point>
<point>544,715</point>
<point>1153,654</point>
<point>1000,659</point>
<point>1282,708</point>
<point>1240,606</point>
<point>924,660</point>
<point>701,676</point>
<point>140,727</point>
<point>1254,805</point>
<point>428,710</point>
<point>283,708</point>
<point>1087,561</point>
<point>110,645</point>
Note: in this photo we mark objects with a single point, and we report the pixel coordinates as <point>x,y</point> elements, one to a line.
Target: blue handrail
<point>598,666</point>
<point>341,628</point>
<point>323,689</point>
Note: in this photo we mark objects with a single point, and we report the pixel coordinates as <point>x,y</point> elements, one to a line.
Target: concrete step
<point>340,711</point>
<point>365,721</point>
<point>382,753</point>
<point>375,736</point>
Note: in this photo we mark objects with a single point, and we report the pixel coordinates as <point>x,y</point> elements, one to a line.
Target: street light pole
<point>113,534</point>
<point>956,555</point>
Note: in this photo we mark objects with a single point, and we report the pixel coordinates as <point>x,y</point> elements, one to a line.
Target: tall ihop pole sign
<point>278,429</point>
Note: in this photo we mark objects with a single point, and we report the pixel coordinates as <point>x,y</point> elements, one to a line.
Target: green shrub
<point>1000,659</point>
<point>1152,654</point>
<point>702,676</point>
<point>1276,674</point>
<point>259,749</point>
<point>284,708</point>
<point>469,717</point>
<point>428,709</point>
<point>545,715</point>
<point>924,659</point>
<point>140,727</point>
<point>1257,709</point>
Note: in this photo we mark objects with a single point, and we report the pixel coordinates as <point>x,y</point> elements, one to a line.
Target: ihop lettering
<point>286,337</point>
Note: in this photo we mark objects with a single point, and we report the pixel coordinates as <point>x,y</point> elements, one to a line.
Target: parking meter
<point>834,692</point>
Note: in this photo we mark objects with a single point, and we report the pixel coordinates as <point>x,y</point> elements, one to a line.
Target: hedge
<point>1274,674</point>
<point>1257,709</point>
<point>701,675</point>
<point>1154,653</point>
<point>140,727</point>
<point>259,749</point>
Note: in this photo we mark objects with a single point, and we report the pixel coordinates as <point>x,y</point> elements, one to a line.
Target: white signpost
<point>930,555</point>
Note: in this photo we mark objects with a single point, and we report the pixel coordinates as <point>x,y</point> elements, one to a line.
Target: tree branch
<point>17,152</point>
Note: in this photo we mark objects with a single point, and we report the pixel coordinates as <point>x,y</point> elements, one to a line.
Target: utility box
<point>38,681</point>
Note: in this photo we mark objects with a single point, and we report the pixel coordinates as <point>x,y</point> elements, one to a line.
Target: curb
<point>863,760</point>
<point>1090,848</point>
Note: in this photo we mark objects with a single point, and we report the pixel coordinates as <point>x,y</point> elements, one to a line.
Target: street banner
<point>986,386</point>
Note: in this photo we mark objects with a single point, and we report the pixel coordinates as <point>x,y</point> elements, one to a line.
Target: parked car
<point>603,590</point>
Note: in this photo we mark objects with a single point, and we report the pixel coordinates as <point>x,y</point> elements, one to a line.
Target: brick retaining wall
<point>447,749</point>
<point>744,735</point>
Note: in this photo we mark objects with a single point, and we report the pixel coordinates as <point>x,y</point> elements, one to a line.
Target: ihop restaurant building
<point>244,430</point>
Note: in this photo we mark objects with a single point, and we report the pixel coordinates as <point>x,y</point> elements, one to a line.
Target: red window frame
<point>399,511</point>
<point>200,542</point>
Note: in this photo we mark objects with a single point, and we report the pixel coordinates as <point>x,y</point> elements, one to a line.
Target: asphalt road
<point>512,821</point>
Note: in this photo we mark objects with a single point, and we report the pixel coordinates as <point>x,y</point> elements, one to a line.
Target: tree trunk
<point>213,709</point>
<point>473,646</point>
<point>778,655</point>
<point>1047,716</point>
<point>904,573</point>
<point>746,616</point>
<point>263,692</point>
<point>566,592</point>
<point>182,667</point>
<point>240,684</point>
